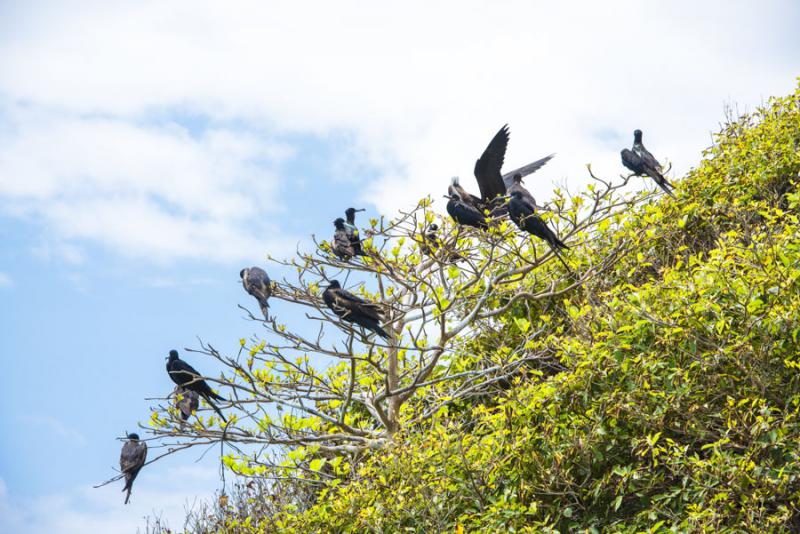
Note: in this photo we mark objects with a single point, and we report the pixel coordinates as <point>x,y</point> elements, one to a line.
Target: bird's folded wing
<point>630,159</point>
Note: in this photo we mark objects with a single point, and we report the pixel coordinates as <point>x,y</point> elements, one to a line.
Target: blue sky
<point>148,151</point>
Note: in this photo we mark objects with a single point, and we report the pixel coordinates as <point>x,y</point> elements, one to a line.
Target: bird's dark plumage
<point>641,162</point>
<point>470,199</point>
<point>187,377</point>
<point>187,401</point>
<point>353,309</point>
<point>345,244</point>
<point>430,240</point>
<point>488,166</point>
<point>464,213</point>
<point>256,282</point>
<point>352,230</point>
<point>131,460</point>
<point>524,216</point>
<point>516,185</point>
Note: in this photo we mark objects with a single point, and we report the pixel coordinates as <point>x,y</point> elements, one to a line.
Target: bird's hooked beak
<point>362,209</point>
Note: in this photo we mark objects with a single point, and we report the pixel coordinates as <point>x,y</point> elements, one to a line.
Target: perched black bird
<point>256,282</point>
<point>353,309</point>
<point>464,213</point>
<point>131,460</point>
<point>352,230</point>
<point>187,377</point>
<point>516,185</point>
<point>187,401</point>
<point>430,240</point>
<point>491,182</point>
<point>342,244</point>
<point>641,162</point>
<point>524,215</point>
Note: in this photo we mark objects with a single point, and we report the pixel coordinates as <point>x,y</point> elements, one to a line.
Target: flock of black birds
<point>501,195</point>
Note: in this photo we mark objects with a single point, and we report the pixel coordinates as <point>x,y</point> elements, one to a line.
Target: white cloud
<point>5,280</point>
<point>56,427</point>
<point>419,90</point>
<point>85,509</point>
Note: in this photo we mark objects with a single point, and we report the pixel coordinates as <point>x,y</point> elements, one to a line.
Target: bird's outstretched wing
<point>487,168</point>
<point>530,168</point>
<point>631,160</point>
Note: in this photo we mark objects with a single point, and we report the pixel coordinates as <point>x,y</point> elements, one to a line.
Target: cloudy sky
<point>149,150</point>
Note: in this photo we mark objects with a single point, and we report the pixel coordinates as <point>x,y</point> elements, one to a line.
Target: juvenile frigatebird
<point>354,309</point>
<point>187,401</point>
<point>352,230</point>
<point>342,245</point>
<point>491,182</point>
<point>524,216</point>
<point>187,377</point>
<point>430,240</point>
<point>641,162</point>
<point>131,460</point>
<point>256,282</point>
<point>464,213</point>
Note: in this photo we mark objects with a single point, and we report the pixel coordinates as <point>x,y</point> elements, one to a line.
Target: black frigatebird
<point>524,216</point>
<point>342,245</point>
<point>641,162</point>
<point>187,377</point>
<point>464,213</point>
<point>187,401</point>
<point>256,282</point>
<point>131,460</point>
<point>354,309</point>
<point>352,230</point>
<point>491,182</point>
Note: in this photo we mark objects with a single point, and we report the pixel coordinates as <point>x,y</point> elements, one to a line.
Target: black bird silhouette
<point>187,401</point>
<point>524,216</point>
<point>516,185</point>
<point>187,377</point>
<point>353,309</point>
<point>430,240</point>
<point>256,282</point>
<point>343,245</point>
<point>352,230</point>
<point>464,213</point>
<point>641,162</point>
<point>131,460</point>
<point>491,182</point>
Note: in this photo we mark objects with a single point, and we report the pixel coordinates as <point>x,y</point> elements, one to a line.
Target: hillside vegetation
<point>668,400</point>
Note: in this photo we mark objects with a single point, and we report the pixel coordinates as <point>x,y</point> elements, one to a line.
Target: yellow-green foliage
<point>680,406</point>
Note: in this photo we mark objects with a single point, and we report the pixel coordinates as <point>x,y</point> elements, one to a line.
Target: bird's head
<point>452,196</point>
<point>433,227</point>
<point>334,284</point>
<point>243,273</point>
<point>352,211</point>
<point>339,223</point>
<point>637,136</point>
<point>133,436</point>
<point>517,178</point>
<point>173,355</point>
